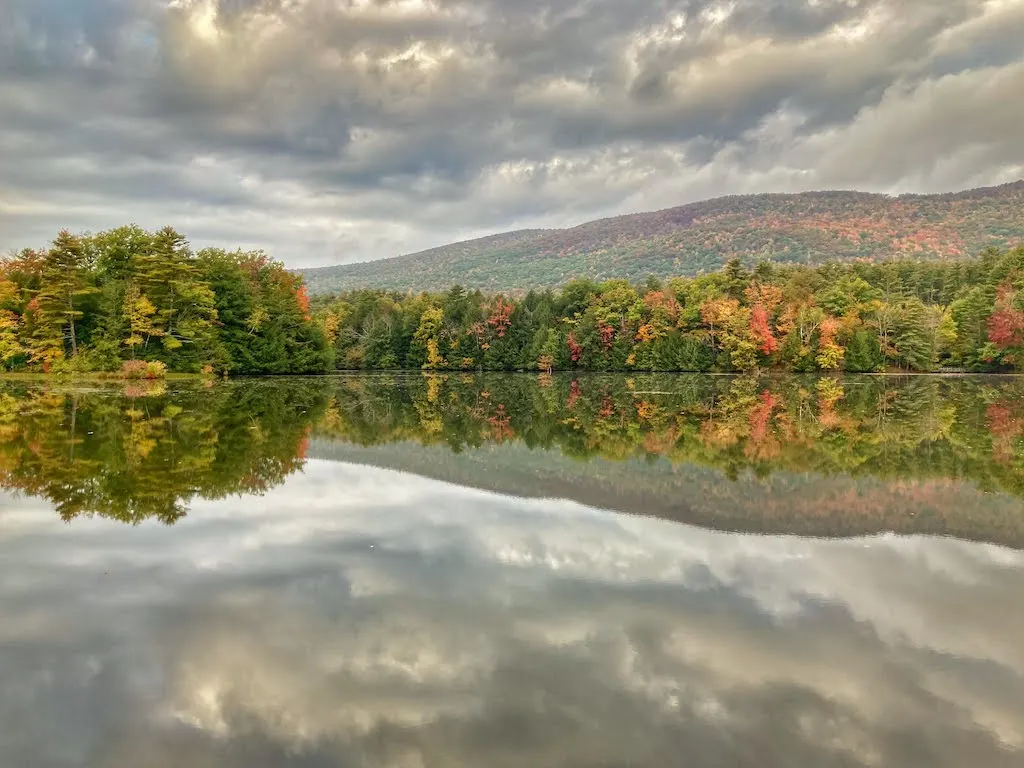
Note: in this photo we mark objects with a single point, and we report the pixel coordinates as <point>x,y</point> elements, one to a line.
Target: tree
<point>1006,325</point>
<point>760,327</point>
<point>830,351</point>
<point>138,311</point>
<point>863,352</point>
<point>716,314</point>
<point>913,345</point>
<point>185,306</point>
<point>427,339</point>
<point>64,282</point>
<point>970,314</point>
<point>548,351</point>
<point>736,278</point>
<point>10,345</point>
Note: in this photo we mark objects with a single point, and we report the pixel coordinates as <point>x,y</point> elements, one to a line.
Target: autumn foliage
<point>90,303</point>
<point>861,318</point>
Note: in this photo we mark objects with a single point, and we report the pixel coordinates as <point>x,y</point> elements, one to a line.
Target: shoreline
<point>108,378</point>
<point>94,377</point>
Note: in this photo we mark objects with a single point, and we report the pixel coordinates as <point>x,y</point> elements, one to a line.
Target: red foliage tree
<point>501,316</point>
<point>761,328</point>
<point>303,299</point>
<point>1006,325</point>
<point>575,350</point>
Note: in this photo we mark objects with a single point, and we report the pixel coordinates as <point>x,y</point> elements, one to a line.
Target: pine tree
<point>736,278</point>
<point>863,352</point>
<point>63,284</point>
<point>914,348</point>
<point>184,306</point>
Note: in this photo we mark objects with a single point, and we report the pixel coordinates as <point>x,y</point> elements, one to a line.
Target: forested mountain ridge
<point>807,228</point>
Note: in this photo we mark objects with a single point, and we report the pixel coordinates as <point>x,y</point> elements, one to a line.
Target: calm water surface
<point>417,571</point>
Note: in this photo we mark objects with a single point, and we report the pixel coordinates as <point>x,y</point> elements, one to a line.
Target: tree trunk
<point>71,323</point>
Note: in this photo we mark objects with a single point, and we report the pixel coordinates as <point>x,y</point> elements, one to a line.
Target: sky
<point>332,131</point>
<point>409,623</point>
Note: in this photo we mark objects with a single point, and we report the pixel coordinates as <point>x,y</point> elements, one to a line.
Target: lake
<point>414,570</point>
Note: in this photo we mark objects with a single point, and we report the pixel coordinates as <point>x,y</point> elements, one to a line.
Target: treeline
<point>903,315</point>
<point>95,302</point>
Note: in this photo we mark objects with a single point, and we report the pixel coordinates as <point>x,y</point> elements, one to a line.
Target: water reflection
<point>143,452</point>
<point>357,617</point>
<point>343,587</point>
<point>810,456</point>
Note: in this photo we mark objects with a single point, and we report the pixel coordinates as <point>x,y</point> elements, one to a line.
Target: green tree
<point>914,345</point>
<point>863,352</point>
<point>548,354</point>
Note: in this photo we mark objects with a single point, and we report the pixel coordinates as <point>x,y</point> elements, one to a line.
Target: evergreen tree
<point>63,285</point>
<point>736,278</point>
<point>915,350</point>
<point>863,352</point>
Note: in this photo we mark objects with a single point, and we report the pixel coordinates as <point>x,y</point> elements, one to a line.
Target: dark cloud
<point>362,128</point>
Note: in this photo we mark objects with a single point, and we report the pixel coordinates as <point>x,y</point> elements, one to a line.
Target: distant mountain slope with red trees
<point>807,228</point>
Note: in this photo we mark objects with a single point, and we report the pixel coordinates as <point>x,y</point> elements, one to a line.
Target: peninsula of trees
<point>94,302</point>
<point>127,296</point>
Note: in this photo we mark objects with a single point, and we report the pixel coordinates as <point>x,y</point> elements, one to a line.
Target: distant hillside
<point>806,228</point>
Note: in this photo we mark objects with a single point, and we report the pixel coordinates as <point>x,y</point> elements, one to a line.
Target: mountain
<point>806,228</point>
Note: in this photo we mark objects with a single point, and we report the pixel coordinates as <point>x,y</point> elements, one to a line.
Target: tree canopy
<point>902,315</point>
<point>92,302</point>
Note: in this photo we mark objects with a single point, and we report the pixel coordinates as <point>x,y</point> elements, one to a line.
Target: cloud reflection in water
<point>356,616</point>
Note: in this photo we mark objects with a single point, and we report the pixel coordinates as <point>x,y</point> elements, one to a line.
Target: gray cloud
<point>331,130</point>
<point>481,629</point>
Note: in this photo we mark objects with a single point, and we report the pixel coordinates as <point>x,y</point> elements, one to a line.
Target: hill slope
<point>805,228</point>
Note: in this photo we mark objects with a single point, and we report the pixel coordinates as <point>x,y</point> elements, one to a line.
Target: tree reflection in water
<point>141,453</point>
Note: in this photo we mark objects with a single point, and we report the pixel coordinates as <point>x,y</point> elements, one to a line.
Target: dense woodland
<point>127,296</point>
<point>903,315</point>
<point>93,302</point>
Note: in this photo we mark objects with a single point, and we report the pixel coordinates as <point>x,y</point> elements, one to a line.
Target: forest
<point>904,315</point>
<point>135,301</point>
<point>122,298</point>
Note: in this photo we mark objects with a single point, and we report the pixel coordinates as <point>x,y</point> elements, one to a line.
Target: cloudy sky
<point>329,131</point>
<point>407,623</point>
